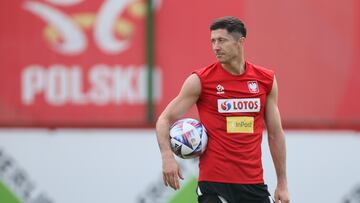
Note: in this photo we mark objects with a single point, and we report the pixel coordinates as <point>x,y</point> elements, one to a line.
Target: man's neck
<point>236,67</point>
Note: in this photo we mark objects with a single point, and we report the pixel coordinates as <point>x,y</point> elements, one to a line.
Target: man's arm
<point>187,97</point>
<point>277,144</point>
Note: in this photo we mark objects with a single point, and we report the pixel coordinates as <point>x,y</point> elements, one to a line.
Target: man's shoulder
<point>206,70</point>
<point>260,70</point>
<point>264,75</point>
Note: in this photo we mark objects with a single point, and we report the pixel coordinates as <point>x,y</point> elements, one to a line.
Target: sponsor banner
<point>71,166</point>
<point>74,63</point>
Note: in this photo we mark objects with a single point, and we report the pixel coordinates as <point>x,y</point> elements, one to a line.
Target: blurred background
<point>82,83</point>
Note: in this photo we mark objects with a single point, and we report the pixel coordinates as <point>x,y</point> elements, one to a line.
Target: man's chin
<point>220,60</point>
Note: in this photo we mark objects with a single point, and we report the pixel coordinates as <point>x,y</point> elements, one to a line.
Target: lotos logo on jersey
<point>225,106</point>
<point>239,105</point>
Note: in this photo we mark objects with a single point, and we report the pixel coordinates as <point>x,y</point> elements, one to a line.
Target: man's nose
<point>216,46</point>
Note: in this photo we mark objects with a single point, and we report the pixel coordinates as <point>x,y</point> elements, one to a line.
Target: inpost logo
<point>65,32</point>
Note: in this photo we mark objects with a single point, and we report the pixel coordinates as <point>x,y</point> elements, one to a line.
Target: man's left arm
<point>277,144</point>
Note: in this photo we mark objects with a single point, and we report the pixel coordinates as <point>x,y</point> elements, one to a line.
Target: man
<point>234,98</point>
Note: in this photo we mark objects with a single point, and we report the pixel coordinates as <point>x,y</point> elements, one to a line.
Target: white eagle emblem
<point>253,86</point>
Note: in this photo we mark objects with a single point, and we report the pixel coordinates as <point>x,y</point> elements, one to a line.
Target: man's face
<point>225,46</point>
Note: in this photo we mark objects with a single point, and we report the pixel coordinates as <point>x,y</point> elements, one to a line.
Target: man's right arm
<point>187,97</point>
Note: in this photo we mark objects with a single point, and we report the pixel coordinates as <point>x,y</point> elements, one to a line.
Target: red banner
<point>73,63</point>
<point>81,63</point>
<point>312,47</point>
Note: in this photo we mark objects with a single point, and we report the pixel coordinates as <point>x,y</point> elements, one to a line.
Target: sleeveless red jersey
<point>231,107</point>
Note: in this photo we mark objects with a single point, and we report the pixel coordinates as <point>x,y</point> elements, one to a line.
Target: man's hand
<point>281,194</point>
<point>171,173</point>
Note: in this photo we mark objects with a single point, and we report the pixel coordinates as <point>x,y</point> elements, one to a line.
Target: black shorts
<point>213,192</point>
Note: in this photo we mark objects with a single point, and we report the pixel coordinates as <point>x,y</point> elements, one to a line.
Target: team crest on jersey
<point>220,89</point>
<point>253,86</point>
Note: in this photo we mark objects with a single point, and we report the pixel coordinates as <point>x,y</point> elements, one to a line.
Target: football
<point>188,138</point>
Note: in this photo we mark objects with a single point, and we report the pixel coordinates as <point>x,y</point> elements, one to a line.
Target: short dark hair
<point>230,23</point>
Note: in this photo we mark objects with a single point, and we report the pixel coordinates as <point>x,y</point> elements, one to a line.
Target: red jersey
<point>231,107</point>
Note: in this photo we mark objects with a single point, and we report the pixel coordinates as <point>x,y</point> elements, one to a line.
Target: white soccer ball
<point>188,138</point>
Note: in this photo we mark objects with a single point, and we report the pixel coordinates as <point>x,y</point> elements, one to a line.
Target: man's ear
<point>242,40</point>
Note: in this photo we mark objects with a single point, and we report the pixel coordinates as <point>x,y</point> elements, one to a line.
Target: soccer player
<point>234,99</point>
